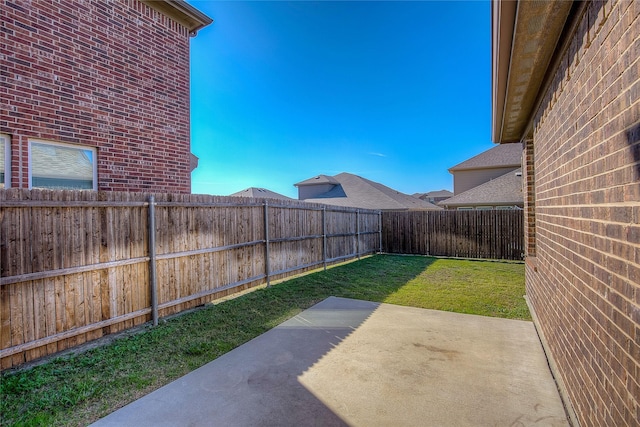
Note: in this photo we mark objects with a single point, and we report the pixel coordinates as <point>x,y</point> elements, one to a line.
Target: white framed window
<point>5,161</point>
<point>60,166</point>
<point>465,208</point>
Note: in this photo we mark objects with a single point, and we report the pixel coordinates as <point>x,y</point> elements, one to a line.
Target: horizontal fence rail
<point>77,265</point>
<point>490,234</point>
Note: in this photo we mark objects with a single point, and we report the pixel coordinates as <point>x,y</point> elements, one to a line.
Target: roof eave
<point>193,161</point>
<point>524,36</point>
<point>503,15</point>
<point>182,12</point>
<point>455,169</point>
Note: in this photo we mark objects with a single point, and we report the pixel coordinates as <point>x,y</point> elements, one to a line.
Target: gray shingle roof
<point>357,192</point>
<point>439,193</point>
<point>260,193</point>
<point>499,156</point>
<point>502,191</point>
<point>320,179</point>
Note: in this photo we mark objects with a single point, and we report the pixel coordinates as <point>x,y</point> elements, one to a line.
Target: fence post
<point>358,233</point>
<point>380,231</point>
<point>324,237</point>
<point>152,260</point>
<point>267,265</point>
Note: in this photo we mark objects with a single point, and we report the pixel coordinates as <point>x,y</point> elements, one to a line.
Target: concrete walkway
<point>346,362</point>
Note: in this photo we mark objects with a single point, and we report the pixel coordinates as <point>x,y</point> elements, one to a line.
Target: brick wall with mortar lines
<point>585,287</point>
<point>110,74</point>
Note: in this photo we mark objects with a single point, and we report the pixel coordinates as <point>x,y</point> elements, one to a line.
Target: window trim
<point>93,150</point>
<point>7,160</point>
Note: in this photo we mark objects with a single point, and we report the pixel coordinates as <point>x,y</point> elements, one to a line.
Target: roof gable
<point>260,193</point>
<point>503,155</point>
<point>355,191</point>
<point>317,180</point>
<point>439,193</point>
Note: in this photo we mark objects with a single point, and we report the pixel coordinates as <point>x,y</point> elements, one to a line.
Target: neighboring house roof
<point>440,193</point>
<point>260,193</point>
<point>434,194</point>
<point>357,192</point>
<point>502,191</point>
<point>503,155</point>
<point>320,179</point>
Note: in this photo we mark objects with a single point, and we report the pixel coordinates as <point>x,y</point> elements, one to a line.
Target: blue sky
<point>396,92</point>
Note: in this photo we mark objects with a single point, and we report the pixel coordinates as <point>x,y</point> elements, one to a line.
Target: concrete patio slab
<point>357,363</point>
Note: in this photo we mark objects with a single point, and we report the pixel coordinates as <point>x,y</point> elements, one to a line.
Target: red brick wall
<point>584,283</point>
<point>112,74</point>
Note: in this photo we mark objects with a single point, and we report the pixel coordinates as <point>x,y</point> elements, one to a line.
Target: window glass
<point>62,167</point>
<point>4,161</point>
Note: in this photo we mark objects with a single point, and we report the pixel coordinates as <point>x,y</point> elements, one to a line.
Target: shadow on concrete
<point>255,384</point>
<point>377,277</point>
<point>357,363</point>
<point>347,362</point>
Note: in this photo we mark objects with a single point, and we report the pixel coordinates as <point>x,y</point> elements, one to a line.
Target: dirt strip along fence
<point>77,265</point>
<point>490,234</point>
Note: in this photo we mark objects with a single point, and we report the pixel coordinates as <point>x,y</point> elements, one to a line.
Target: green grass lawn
<point>79,389</point>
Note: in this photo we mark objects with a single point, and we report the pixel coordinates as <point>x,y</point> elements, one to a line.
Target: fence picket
<point>474,234</point>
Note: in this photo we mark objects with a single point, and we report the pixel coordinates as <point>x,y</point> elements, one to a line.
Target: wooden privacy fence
<point>492,234</point>
<point>75,266</point>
